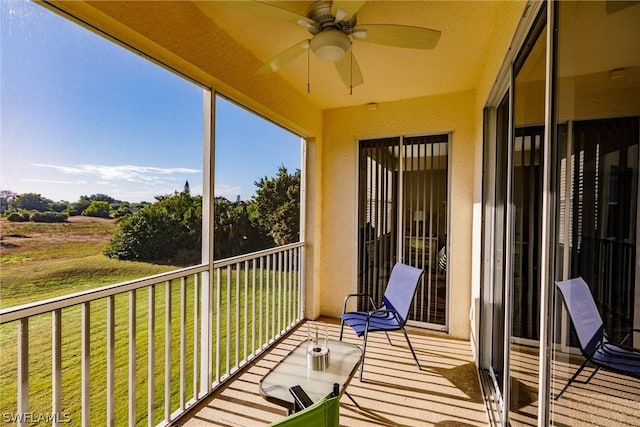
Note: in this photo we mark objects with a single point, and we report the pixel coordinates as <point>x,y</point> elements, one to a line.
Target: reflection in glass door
<point>604,220</point>
<point>524,276</point>
<point>527,201</point>
<point>598,139</point>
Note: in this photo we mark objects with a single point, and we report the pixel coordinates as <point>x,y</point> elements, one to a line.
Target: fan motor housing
<point>320,13</point>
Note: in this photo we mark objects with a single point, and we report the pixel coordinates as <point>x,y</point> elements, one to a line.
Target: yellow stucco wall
<point>342,128</point>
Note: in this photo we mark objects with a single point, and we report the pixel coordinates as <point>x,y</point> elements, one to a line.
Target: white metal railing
<point>196,335</point>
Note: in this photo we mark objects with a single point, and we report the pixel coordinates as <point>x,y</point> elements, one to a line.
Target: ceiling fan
<point>333,26</point>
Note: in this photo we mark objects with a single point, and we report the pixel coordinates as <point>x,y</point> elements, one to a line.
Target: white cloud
<point>123,182</point>
<point>54,181</point>
<point>129,173</point>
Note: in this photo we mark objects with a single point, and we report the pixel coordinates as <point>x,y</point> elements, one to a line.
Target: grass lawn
<point>40,261</point>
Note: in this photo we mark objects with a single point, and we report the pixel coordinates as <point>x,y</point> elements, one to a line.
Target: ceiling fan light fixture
<point>330,45</point>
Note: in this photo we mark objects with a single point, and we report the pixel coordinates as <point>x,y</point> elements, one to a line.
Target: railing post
<point>56,364</point>
<point>228,325</point>
<point>205,334</point>
<point>196,341</point>
<point>237,317</point>
<point>183,341</point>
<point>167,352</point>
<point>23,368</point>
<point>132,358</point>
<point>246,312</point>
<point>218,319</point>
<point>111,361</point>
<point>86,364</point>
<point>151,348</point>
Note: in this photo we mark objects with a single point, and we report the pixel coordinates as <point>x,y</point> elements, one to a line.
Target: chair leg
<point>341,328</point>
<point>575,375</point>
<point>388,338</point>
<point>352,399</point>
<point>364,351</point>
<point>592,374</point>
<point>411,348</point>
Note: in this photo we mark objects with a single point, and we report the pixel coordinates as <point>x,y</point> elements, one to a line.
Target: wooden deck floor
<point>446,392</point>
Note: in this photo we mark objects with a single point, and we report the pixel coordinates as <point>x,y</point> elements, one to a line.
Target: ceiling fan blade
<point>398,35</point>
<point>614,6</point>
<point>284,58</point>
<point>265,9</point>
<point>349,70</point>
<point>345,9</point>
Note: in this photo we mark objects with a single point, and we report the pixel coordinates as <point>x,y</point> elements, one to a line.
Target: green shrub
<point>98,209</point>
<point>16,216</point>
<point>121,212</point>
<point>48,216</point>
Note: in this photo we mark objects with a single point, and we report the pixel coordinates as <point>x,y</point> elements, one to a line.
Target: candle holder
<point>317,347</point>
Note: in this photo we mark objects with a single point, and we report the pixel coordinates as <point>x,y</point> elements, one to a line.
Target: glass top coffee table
<point>344,359</point>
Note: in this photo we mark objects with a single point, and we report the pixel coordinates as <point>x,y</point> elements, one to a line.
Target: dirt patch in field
<point>30,235</point>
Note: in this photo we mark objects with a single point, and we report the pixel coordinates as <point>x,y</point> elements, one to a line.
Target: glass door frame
<point>496,388</point>
<point>504,86</point>
<point>399,247</point>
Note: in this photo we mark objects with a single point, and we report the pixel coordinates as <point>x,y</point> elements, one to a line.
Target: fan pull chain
<point>308,69</point>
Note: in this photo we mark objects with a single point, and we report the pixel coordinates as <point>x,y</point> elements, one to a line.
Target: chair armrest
<point>346,299</point>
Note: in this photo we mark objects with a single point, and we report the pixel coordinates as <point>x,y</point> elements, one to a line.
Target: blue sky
<point>80,115</point>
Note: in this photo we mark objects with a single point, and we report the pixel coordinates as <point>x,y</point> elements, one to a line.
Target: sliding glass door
<point>512,237</point>
<point>597,237</point>
<point>402,217</point>
<point>560,201</point>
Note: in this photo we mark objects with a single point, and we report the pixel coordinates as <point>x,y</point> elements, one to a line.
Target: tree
<point>168,231</point>
<point>121,212</point>
<point>59,206</point>
<point>30,202</point>
<point>101,198</point>
<point>277,206</point>
<point>100,209</point>
<point>234,232</point>
<point>78,207</point>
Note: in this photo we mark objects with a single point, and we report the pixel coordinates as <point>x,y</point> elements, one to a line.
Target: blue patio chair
<point>323,413</point>
<point>594,341</point>
<point>392,313</point>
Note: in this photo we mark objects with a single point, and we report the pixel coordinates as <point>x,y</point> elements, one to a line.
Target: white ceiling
<point>454,65</point>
